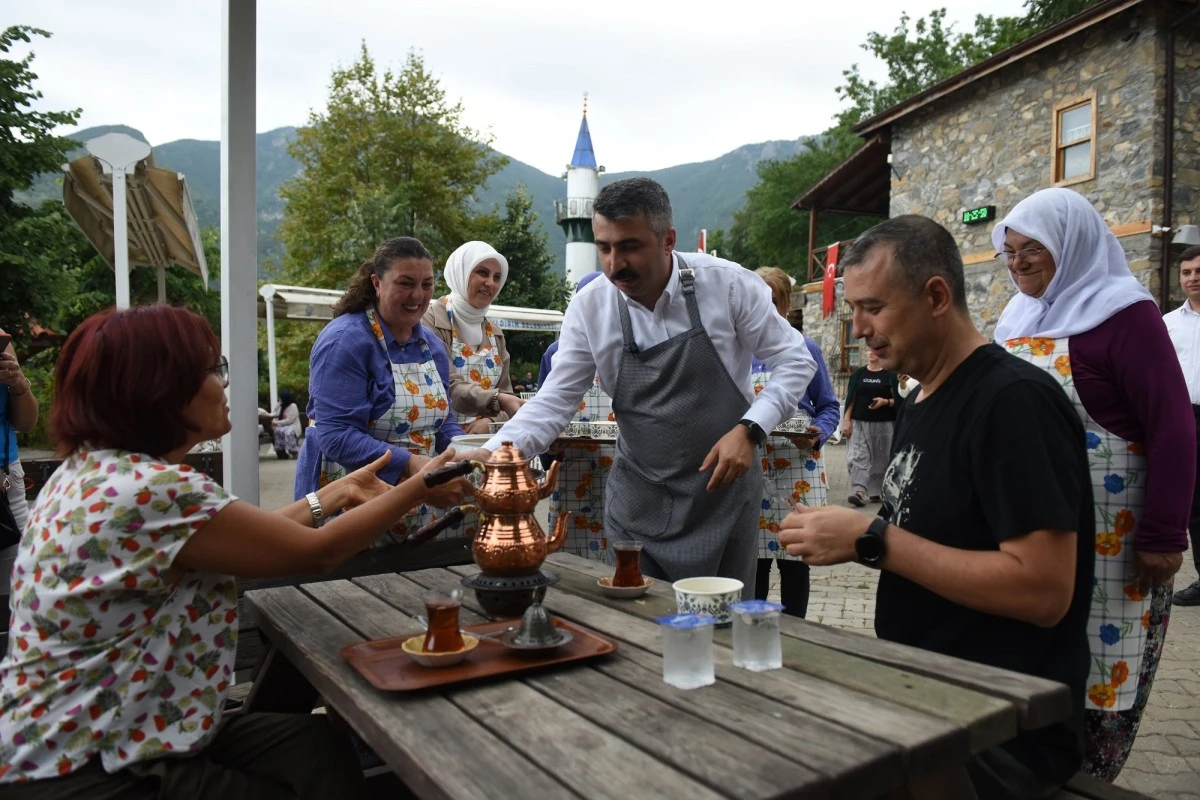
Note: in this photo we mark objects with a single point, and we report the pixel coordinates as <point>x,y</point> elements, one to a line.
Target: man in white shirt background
<point>1183,325</point>
<point>672,337</point>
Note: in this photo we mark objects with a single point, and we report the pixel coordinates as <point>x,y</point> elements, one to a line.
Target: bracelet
<point>314,505</point>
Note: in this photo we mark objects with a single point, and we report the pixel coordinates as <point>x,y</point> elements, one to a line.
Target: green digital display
<point>975,216</point>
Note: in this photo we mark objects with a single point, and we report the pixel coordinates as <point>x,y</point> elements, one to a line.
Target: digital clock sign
<point>975,216</point>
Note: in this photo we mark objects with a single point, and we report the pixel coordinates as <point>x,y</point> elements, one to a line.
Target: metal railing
<point>573,208</point>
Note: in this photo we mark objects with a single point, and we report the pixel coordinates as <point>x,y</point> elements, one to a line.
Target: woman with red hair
<point>124,611</point>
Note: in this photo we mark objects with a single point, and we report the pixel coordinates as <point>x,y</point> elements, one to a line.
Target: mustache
<point>624,275</point>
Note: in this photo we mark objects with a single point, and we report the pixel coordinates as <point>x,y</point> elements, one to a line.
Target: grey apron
<point>673,402</point>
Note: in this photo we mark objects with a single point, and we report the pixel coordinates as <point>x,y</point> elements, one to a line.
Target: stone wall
<point>990,143</point>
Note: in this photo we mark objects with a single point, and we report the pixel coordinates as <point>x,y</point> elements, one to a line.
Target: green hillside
<point>704,194</point>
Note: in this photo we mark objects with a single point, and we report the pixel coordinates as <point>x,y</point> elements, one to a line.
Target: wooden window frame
<point>1056,149</point>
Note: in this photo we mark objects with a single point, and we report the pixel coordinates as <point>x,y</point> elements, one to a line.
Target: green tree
<point>532,282</point>
<point>31,290</point>
<point>387,157</point>
<point>1041,14</point>
<point>766,231</point>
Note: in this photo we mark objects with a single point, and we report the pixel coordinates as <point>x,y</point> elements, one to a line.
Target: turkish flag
<point>827,288</point>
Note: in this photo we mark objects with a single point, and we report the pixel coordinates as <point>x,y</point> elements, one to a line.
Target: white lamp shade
<point>1187,235</point>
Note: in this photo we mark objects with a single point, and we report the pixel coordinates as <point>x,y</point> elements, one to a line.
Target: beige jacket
<point>469,400</point>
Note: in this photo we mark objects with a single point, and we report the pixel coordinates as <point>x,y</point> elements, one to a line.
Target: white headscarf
<point>468,320</point>
<point>1092,280</point>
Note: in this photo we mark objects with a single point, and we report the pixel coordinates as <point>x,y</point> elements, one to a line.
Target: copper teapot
<point>510,542</point>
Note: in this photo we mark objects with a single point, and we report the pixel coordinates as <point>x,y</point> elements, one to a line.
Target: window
<point>1075,140</point>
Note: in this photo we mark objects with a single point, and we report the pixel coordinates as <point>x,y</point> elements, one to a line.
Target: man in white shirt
<point>1183,325</point>
<point>672,338</point>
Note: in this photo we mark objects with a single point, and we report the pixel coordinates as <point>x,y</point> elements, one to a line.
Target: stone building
<point>1087,104</point>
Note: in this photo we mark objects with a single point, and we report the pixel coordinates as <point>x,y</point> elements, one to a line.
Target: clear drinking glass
<point>629,571</point>
<point>756,643</point>
<point>687,650</point>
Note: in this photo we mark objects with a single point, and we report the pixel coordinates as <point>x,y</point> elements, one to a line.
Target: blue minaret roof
<point>584,155</point>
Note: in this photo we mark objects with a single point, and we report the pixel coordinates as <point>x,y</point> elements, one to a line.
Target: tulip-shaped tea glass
<point>442,635</point>
<point>629,569</point>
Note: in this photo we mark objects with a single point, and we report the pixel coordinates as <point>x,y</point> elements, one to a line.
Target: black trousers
<point>793,584</point>
<point>1194,519</point>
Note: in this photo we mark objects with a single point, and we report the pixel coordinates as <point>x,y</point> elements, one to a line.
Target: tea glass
<point>687,650</point>
<point>629,570</point>
<point>443,634</point>
<point>756,643</point>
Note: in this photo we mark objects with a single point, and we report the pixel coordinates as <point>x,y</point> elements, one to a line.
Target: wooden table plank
<point>722,758</point>
<point>424,738</point>
<point>856,765</point>
<point>988,720</point>
<point>1039,702</point>
<point>850,759</point>
<point>926,740</point>
<point>585,756</point>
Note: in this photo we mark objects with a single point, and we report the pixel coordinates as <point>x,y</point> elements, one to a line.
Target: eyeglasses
<point>221,370</point>
<point>1028,253</point>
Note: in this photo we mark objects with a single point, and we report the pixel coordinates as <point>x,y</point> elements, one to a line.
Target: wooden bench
<point>1085,787</point>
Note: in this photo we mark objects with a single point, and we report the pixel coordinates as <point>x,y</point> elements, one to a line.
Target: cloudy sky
<point>668,82</point>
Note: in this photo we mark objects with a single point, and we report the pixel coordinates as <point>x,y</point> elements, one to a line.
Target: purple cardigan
<point>350,384</point>
<point>1130,382</point>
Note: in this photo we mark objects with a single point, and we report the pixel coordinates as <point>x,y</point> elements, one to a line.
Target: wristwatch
<point>757,434</point>
<point>493,405</point>
<point>871,547</point>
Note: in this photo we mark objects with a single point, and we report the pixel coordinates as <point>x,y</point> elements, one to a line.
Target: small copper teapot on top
<point>510,542</point>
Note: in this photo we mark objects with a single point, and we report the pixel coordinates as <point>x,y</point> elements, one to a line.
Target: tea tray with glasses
<point>797,424</point>
<point>590,431</point>
<point>386,666</point>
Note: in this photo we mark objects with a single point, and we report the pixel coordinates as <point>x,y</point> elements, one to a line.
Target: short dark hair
<point>124,379</point>
<point>360,294</point>
<point>632,197</point>
<point>921,248</point>
<point>1189,254</point>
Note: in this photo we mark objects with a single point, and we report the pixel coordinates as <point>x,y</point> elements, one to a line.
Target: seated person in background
<point>986,536</point>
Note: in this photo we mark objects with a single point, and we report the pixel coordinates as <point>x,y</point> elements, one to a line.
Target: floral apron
<point>420,409</point>
<point>481,366</point>
<point>582,475</point>
<point>790,473</point>
<point>1119,619</point>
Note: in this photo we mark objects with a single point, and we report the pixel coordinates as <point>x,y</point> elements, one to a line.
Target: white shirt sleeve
<point>539,422</point>
<point>773,340</point>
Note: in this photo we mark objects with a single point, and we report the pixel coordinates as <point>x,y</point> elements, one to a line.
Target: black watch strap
<point>757,434</point>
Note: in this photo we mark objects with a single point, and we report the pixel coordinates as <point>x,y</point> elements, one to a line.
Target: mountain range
<point>704,194</point>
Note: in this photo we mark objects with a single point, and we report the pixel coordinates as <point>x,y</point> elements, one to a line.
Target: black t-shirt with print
<point>864,386</point>
<point>996,452</point>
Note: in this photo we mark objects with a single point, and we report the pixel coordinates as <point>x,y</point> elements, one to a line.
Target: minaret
<point>575,216</point>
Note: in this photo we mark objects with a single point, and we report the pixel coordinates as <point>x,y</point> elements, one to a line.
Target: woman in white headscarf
<point>1083,316</point>
<point>481,390</point>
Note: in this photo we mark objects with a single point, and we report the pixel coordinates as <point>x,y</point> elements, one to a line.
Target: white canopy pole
<point>239,249</point>
<point>120,153</point>
<point>268,295</point>
<point>162,284</point>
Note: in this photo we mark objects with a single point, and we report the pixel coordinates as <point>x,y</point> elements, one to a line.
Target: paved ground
<point>1166,759</point>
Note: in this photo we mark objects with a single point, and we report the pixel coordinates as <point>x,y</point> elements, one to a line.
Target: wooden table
<point>848,717</point>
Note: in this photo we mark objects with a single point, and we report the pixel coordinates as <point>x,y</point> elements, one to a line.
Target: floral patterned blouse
<point>111,650</point>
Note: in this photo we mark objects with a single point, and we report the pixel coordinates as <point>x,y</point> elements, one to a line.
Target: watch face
<point>869,548</point>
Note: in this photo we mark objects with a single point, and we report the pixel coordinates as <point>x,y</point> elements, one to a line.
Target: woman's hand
<point>878,403</point>
<point>481,425</point>
<point>1154,569</point>
<point>364,484</point>
<point>510,404</point>
<point>806,441</point>
<point>447,494</point>
<point>11,375</point>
